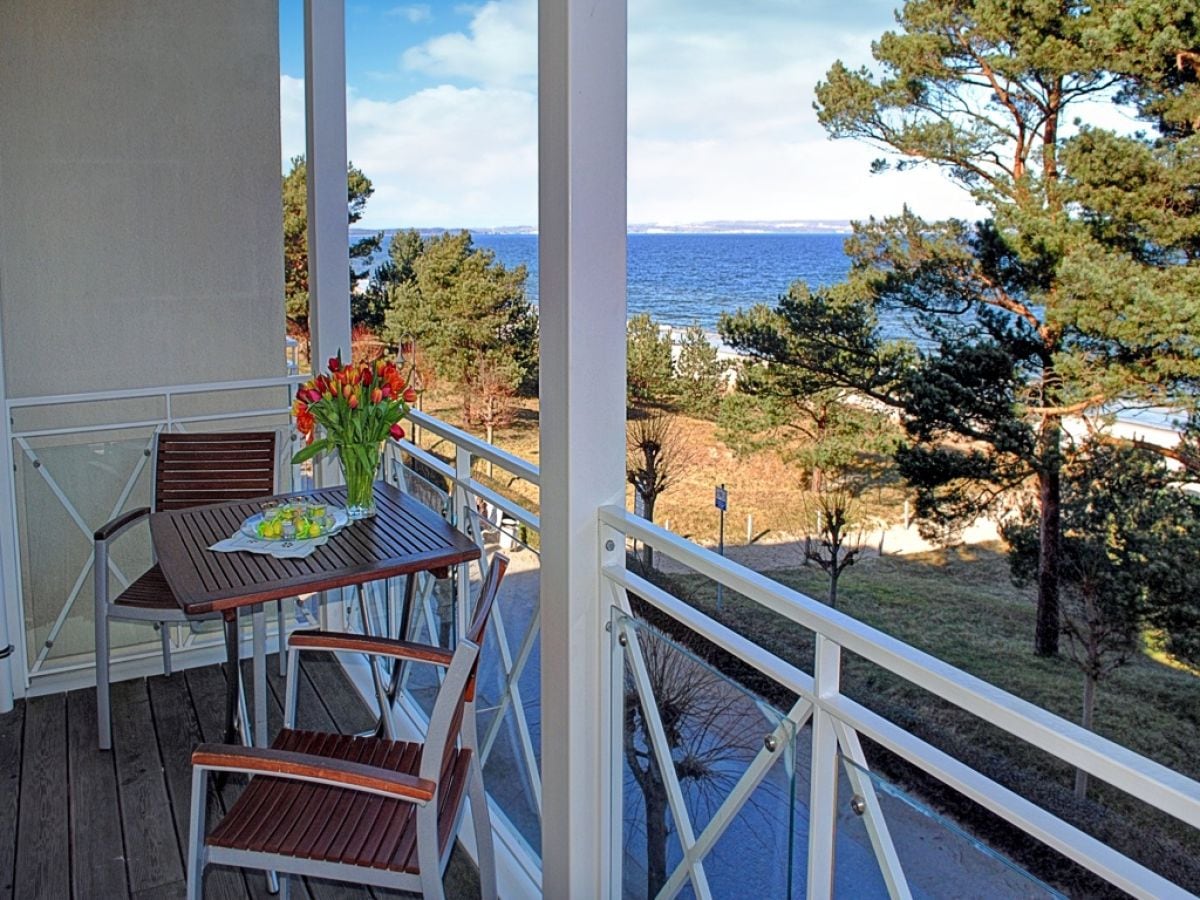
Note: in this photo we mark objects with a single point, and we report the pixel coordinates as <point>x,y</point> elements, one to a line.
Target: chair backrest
<point>456,700</point>
<point>198,469</point>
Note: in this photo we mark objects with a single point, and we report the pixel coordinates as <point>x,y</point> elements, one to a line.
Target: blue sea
<point>684,278</point>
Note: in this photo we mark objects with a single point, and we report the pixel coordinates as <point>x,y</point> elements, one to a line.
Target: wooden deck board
<point>12,728</point>
<point>178,732</point>
<point>76,822</point>
<point>43,841</point>
<point>151,847</point>
<point>98,854</point>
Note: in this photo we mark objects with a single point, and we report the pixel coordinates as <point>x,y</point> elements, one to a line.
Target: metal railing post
<point>822,803</point>
<point>460,511</point>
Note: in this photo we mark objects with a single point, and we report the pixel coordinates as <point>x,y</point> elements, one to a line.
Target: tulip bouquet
<point>357,407</point>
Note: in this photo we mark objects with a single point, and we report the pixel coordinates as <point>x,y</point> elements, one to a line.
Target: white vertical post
<point>460,513</point>
<point>328,218</point>
<point>10,594</point>
<point>822,804</point>
<point>581,246</point>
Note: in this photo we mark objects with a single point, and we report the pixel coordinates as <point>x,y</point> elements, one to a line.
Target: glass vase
<point>360,468</point>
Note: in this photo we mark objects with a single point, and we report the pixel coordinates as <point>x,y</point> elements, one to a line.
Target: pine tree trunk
<point>1089,710</point>
<point>1049,537</point>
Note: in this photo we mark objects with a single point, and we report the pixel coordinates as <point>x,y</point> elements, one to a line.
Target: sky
<point>442,112</point>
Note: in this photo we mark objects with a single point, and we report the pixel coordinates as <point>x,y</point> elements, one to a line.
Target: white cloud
<point>499,47</point>
<point>721,124</point>
<point>415,13</point>
<point>444,156</point>
<point>448,157</point>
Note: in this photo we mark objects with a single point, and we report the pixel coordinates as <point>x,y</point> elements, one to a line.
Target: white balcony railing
<point>63,462</point>
<point>836,721</point>
<point>78,460</point>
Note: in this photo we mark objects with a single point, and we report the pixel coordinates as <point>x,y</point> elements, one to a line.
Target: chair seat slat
<point>335,824</point>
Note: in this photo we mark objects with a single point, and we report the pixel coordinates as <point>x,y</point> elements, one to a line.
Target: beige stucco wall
<point>140,245</point>
<point>140,224</point>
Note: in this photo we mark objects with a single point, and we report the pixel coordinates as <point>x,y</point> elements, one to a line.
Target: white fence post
<point>822,804</point>
<point>461,511</point>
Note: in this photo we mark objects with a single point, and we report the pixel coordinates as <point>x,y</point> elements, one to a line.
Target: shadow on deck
<point>79,823</point>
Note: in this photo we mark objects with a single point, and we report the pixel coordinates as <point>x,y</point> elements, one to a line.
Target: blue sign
<point>722,499</point>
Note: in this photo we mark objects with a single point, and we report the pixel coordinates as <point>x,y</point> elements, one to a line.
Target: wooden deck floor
<point>76,822</point>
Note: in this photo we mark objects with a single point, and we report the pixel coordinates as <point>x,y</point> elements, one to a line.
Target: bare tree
<point>841,534</point>
<point>710,728</point>
<point>492,404</point>
<point>657,455</point>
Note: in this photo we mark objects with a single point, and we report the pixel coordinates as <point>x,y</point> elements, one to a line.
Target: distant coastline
<point>720,226</point>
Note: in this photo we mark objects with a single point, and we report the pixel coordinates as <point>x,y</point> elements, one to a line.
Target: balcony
<point>755,786</point>
<point>123,315</point>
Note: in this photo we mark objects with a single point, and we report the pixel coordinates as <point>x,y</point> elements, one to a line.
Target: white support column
<point>581,246</point>
<point>328,219</point>
<point>11,614</point>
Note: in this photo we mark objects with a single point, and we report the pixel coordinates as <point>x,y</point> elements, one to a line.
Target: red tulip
<point>366,375</point>
<point>314,395</point>
<point>397,431</point>
<point>410,395</point>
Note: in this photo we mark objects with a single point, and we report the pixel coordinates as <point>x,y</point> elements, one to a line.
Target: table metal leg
<point>384,726</point>
<point>406,618</point>
<point>233,676</point>
<point>259,618</point>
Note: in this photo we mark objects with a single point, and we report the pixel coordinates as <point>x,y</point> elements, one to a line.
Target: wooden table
<point>403,538</point>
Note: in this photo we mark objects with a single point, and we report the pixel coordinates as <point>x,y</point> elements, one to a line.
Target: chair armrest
<point>317,769</point>
<point>372,646</point>
<point>115,526</point>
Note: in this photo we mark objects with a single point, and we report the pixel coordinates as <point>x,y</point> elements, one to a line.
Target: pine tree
<point>698,373</point>
<point>295,244</point>
<point>648,364</point>
<point>1072,296</point>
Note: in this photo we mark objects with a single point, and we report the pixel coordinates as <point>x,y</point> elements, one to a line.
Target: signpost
<point>721,501</point>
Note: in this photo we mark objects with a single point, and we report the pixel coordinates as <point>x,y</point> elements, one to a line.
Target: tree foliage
<point>1073,295</point>
<point>785,404</point>
<point>698,374</point>
<point>1130,560</point>
<point>295,244</point>
<point>467,312</point>
<point>648,365</point>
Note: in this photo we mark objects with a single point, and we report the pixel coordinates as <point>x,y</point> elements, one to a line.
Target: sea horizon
<point>715,227</point>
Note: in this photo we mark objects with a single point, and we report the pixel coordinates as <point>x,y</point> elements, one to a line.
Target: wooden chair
<point>363,809</point>
<point>189,470</point>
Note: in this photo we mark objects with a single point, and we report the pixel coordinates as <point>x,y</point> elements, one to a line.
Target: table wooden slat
<point>403,537</point>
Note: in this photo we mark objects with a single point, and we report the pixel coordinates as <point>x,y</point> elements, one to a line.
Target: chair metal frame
<point>108,608</point>
<point>453,719</point>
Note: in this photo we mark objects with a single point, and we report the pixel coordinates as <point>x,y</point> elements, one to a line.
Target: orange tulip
<point>376,395</point>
